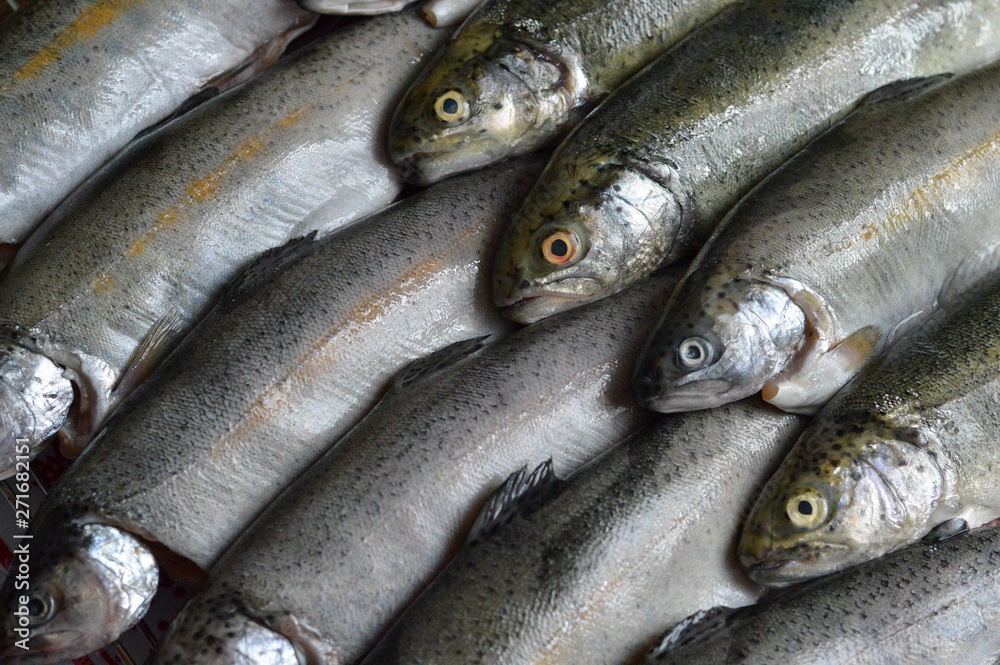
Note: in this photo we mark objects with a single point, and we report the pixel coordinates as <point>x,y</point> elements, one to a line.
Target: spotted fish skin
<point>529,71</point>
<point>82,77</point>
<point>931,604</point>
<point>910,444</point>
<point>156,236</point>
<point>649,174</point>
<point>366,528</point>
<point>634,542</point>
<point>844,249</point>
<point>298,349</point>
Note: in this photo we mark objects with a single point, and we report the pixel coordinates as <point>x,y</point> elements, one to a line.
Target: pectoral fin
<point>810,386</point>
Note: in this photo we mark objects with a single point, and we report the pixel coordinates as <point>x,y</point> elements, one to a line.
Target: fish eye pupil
<point>693,352</point>
<point>805,508</point>
<point>559,247</point>
<point>36,607</point>
<point>450,106</point>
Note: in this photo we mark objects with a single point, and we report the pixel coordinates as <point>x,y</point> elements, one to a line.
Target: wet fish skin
<point>931,604</point>
<point>528,71</point>
<point>337,557</point>
<point>297,350</point>
<point>908,445</point>
<point>645,179</point>
<point>144,251</point>
<point>636,541</point>
<point>845,248</point>
<point>82,77</point>
<point>87,586</point>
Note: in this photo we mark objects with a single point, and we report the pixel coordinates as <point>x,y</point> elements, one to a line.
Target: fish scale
<point>529,71</point>
<point>931,604</point>
<point>647,176</point>
<point>301,345</point>
<point>906,448</point>
<point>82,77</point>
<point>635,541</point>
<point>329,565</point>
<point>840,252</point>
<point>139,255</point>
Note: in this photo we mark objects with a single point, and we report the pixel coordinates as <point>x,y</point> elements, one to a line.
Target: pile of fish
<point>567,333</point>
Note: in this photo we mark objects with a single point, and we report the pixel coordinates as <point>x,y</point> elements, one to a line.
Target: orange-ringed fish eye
<point>560,248</point>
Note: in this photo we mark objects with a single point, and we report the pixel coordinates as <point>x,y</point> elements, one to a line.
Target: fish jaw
<point>35,400</point>
<point>87,588</point>
<point>620,225</point>
<point>218,629</point>
<point>721,339</point>
<point>510,99</point>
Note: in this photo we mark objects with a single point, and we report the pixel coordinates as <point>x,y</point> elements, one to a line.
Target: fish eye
<point>806,509</point>
<point>560,248</point>
<point>452,107</point>
<point>41,608</point>
<point>695,352</point>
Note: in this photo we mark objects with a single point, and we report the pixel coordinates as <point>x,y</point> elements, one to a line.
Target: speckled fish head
<point>845,495</point>
<point>83,590</point>
<point>214,630</point>
<point>589,228</point>
<point>482,100</point>
<point>723,336</point>
<point>35,399</point>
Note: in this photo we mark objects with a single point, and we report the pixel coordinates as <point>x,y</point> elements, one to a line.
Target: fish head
<point>845,495</point>
<point>83,590</point>
<point>214,629</point>
<point>589,228</point>
<point>482,100</point>
<point>35,399</point>
<point>723,336</point>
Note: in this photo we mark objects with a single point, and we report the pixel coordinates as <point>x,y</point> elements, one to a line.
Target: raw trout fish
<point>910,446</point>
<point>300,346</point>
<point>649,527</point>
<point>848,246</point>
<point>520,73</point>
<point>337,557</point>
<point>931,604</point>
<point>80,78</point>
<point>647,176</point>
<point>94,299</point>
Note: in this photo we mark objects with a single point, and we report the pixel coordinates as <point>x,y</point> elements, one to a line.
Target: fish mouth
<point>704,394</point>
<point>530,309</point>
<point>780,567</point>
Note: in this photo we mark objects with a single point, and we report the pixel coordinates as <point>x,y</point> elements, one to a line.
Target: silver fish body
<point>300,346</point>
<point>911,445</point>
<point>338,556</point>
<point>841,251</point>
<point>139,256</point>
<point>636,541</point>
<point>439,13</point>
<point>648,175</point>
<point>931,604</point>
<point>80,78</point>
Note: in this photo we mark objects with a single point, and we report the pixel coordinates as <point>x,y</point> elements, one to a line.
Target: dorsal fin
<point>519,493</point>
<point>903,88</point>
<point>697,626</point>
<point>423,367</point>
<point>267,264</point>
